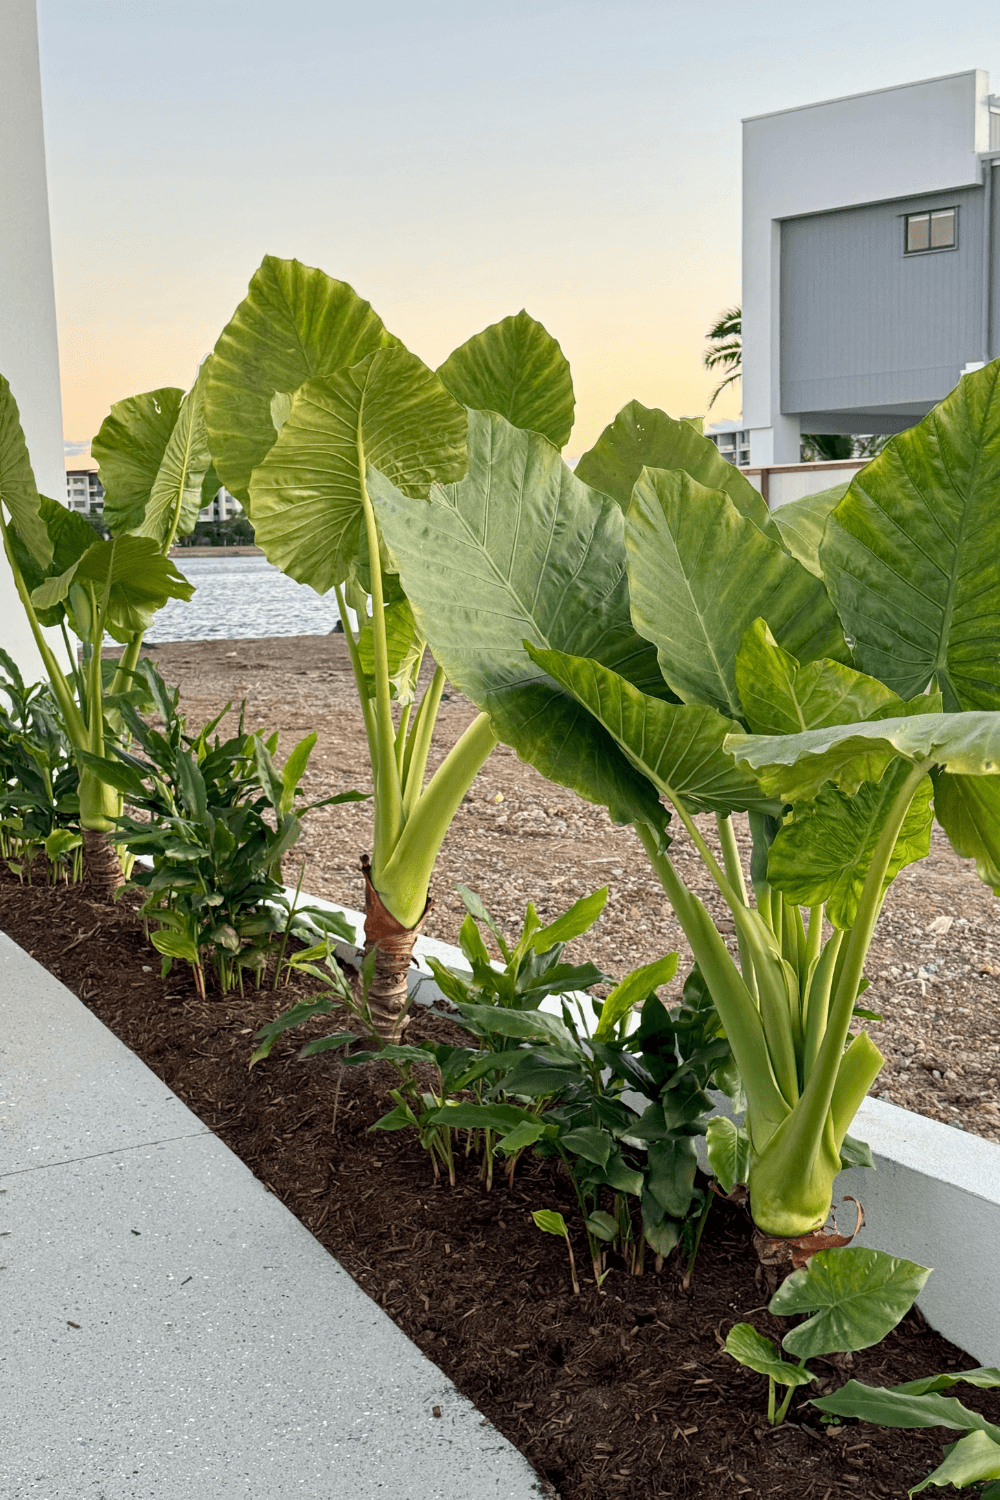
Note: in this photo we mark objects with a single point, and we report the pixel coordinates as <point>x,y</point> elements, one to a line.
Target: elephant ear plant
<point>154,463</point>
<point>310,401</point>
<point>744,638</point>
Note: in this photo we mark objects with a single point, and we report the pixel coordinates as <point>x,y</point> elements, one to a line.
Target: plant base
<point>779,1255</point>
<point>102,869</point>
<point>388,991</point>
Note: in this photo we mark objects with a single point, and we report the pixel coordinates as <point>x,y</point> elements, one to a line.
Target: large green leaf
<point>153,455</point>
<point>911,554</point>
<point>516,368</point>
<point>968,809</point>
<point>802,523</point>
<point>825,851</point>
<point>294,323</point>
<point>522,549</point>
<point>405,648</point>
<point>389,413</point>
<point>779,696</point>
<point>856,1297</point>
<point>758,1353</point>
<point>984,1378</point>
<point>700,574</point>
<point>677,746</point>
<point>795,766</point>
<point>632,990</point>
<point>17,481</point>
<point>129,450</point>
<point>974,1458</point>
<point>70,536</point>
<point>728,1148</point>
<point>130,577</point>
<point>897,1407</point>
<point>641,437</point>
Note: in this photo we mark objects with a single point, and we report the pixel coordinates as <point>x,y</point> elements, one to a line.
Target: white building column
<point>29,354</point>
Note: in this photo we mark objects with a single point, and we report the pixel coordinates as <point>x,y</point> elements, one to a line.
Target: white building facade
<point>29,354</point>
<point>870,259</point>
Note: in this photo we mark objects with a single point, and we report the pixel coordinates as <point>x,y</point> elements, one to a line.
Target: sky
<point>454,160</point>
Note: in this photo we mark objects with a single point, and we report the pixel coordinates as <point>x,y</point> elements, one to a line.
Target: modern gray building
<point>871,273</point>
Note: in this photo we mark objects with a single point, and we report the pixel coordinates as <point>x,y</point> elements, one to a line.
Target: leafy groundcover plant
<point>154,465</point>
<point>855,1297</point>
<point>708,669</point>
<point>309,395</point>
<point>39,805</point>
<point>620,1109</point>
<point>216,820</point>
<point>973,1459</point>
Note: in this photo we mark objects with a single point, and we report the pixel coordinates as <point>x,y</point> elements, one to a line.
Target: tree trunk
<point>388,991</point>
<point>102,870</point>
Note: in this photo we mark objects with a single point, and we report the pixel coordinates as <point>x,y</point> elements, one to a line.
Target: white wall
<point>917,138</point>
<point>29,355</point>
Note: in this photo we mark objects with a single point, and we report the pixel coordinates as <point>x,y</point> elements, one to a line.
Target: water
<point>239,597</point>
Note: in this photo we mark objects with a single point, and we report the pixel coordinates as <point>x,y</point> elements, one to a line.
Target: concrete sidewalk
<point>169,1331</point>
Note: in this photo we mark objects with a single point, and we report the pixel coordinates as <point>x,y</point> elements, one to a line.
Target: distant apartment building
<point>871,277</point>
<point>85,492</point>
<point>732,440</point>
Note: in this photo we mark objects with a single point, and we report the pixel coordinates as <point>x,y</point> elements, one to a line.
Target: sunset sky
<point>454,160</point>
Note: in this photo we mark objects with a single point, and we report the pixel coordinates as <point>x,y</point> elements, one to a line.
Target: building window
<point>931,231</point>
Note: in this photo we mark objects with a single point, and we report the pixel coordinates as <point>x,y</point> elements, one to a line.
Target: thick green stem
<point>403,881</point>
<point>738,1011</point>
<point>859,941</point>
<point>75,727</point>
<point>419,745</point>
<point>388,793</point>
<point>734,872</point>
<point>359,676</point>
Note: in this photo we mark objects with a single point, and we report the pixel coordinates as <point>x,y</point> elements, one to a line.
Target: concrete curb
<point>170,1329</point>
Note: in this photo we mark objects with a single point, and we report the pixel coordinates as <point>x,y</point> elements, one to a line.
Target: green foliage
<point>17,482</point>
<point>855,1297</point>
<point>295,323</point>
<point>917,1403</point>
<point>39,783</point>
<point>516,369</point>
<point>519,506</point>
<point>700,574</point>
<point>643,438</point>
<point>153,457</point>
<point>219,819</point>
<point>908,553</point>
<point>390,413</point>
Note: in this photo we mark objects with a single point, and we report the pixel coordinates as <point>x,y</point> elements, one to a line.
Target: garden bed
<point>622,1394</point>
<point>934,963</point>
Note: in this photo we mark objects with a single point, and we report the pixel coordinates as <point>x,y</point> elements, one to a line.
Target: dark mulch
<point>626,1394</point>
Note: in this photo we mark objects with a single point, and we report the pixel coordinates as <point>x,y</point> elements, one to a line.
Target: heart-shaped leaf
<point>700,574</point>
<point>390,413</point>
<point>17,481</point>
<point>910,554</point>
<point>531,552</point>
<point>758,1353</point>
<point>516,368</point>
<point>823,853</point>
<point>641,437</point>
<point>295,323</point>
<point>856,1297</point>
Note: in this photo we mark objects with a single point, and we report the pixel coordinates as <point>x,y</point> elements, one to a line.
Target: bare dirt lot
<point>934,966</point>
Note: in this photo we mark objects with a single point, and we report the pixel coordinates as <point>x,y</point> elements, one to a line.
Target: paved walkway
<point>168,1330</point>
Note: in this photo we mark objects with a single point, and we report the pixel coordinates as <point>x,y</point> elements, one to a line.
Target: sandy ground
<point>934,966</point>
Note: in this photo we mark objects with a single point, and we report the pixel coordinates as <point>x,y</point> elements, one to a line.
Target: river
<point>239,597</point>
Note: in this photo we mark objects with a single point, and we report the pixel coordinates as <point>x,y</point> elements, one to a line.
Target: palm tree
<point>725,350</point>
